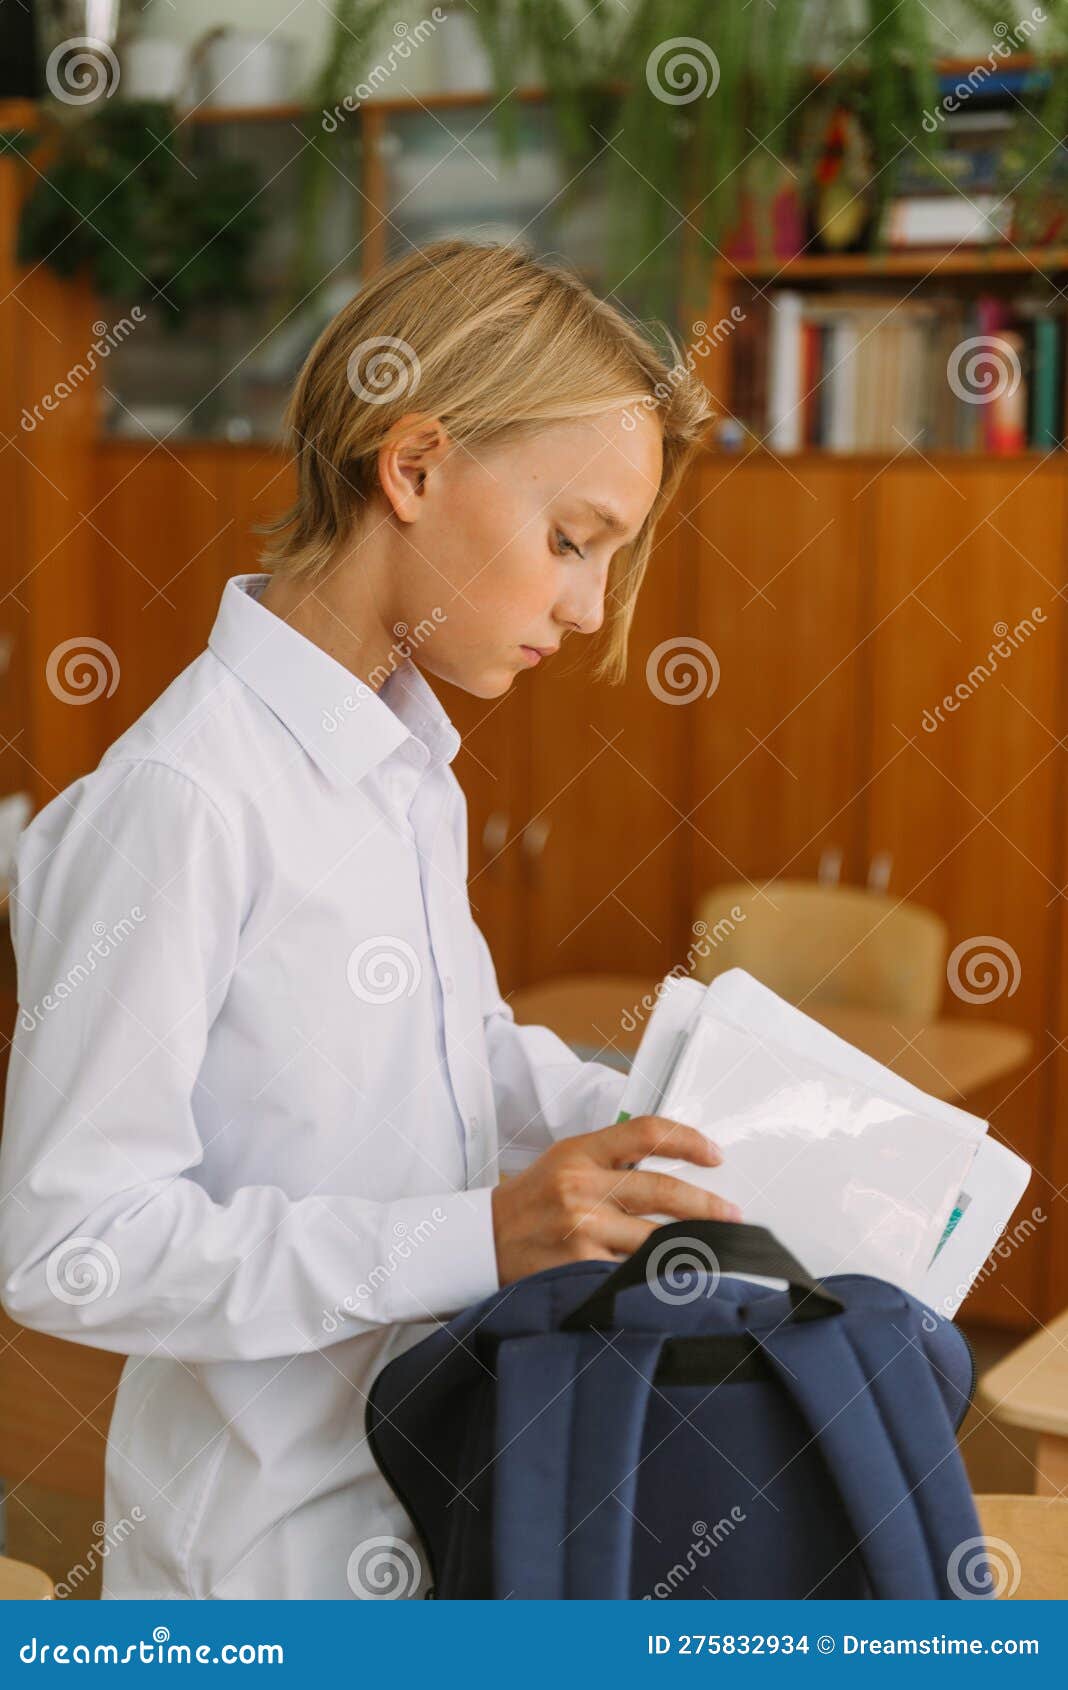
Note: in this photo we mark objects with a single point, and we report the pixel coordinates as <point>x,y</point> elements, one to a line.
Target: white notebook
<point>852,1167</point>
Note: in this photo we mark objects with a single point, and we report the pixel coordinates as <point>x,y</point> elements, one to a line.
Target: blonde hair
<point>497,344</point>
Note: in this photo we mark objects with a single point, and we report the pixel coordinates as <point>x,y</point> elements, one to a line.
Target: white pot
<point>238,68</point>
<point>153,68</point>
<point>463,65</point>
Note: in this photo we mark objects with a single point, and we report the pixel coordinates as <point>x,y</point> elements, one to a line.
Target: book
<point>1044,364</point>
<point>853,1168</point>
<point>855,371</point>
<point>784,373</point>
<point>947,219</point>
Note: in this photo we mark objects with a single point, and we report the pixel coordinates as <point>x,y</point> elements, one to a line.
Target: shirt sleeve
<point>543,1090</point>
<point>127,903</point>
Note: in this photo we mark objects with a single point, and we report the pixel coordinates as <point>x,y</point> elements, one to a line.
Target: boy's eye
<point>560,535</point>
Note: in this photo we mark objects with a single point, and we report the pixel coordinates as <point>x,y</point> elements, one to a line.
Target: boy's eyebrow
<point>606,516</point>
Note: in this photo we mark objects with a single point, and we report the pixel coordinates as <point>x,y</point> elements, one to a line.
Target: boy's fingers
<point>662,1194</point>
<point>626,1142</point>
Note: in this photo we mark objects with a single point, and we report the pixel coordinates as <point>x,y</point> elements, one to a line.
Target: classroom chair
<point>834,946</point>
<point>22,1583</point>
<point>1027,1541</point>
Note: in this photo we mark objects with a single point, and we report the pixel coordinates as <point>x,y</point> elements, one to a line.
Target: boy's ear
<point>414,444</point>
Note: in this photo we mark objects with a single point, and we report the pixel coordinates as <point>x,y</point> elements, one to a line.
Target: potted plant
<point>115,197</point>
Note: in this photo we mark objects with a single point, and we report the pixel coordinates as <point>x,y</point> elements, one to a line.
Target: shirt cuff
<point>444,1253</point>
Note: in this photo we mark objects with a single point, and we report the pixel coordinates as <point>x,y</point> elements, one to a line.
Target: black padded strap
<point>729,1246</point>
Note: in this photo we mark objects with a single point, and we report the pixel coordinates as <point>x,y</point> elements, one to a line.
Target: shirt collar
<point>345,726</point>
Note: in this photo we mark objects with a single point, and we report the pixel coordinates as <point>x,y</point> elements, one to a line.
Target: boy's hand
<point>582,1201</point>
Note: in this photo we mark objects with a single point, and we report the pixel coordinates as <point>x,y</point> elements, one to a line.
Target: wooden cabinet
<point>847,602</point>
<point>782,564</point>
<point>968,607</point>
<point>576,794</point>
<point>170,528</point>
<point>49,602</point>
<point>603,855</point>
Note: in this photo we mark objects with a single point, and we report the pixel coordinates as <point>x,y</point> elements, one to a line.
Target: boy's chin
<point>488,681</point>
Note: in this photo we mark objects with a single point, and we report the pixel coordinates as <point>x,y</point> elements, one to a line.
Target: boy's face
<point>487,553</point>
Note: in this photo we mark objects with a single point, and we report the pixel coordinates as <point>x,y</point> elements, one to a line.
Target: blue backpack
<point>653,1429</point>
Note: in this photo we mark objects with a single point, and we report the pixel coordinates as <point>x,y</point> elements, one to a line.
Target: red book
<point>810,377</point>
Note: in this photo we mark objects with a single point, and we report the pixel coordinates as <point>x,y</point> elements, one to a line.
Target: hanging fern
<point>353,33</point>
<point>718,102</point>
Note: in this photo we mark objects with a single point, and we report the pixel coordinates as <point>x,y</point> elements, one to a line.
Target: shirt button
<point>450,984</point>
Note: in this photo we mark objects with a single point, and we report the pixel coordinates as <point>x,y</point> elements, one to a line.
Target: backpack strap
<point>865,1390</point>
<point>570,1416</point>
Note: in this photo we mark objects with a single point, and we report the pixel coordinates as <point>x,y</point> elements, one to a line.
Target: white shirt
<point>259,1080</point>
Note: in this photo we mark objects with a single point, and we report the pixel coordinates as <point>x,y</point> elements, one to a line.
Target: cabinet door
<point>779,745</point>
<point>160,526</point>
<point>603,841</point>
<point>170,528</point>
<point>965,656</point>
<point>260,485</point>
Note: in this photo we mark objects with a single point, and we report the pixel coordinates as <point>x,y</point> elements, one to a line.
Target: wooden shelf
<point>875,265</point>
<point>138,446</point>
<point>1057,455</point>
<point>18,114</point>
<point>24,114</point>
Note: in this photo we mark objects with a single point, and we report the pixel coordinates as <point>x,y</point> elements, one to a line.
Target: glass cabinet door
<point>445,175</point>
<point>224,371</point>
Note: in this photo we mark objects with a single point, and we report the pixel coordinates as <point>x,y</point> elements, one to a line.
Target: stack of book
<point>856,372</point>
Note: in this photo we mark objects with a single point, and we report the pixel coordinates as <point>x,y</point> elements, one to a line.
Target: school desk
<point>1029,1388</point>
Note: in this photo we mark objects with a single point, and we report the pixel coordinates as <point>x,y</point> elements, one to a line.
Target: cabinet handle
<point>495,833</point>
<point>830,870</point>
<point>879,871</point>
<point>534,836</point>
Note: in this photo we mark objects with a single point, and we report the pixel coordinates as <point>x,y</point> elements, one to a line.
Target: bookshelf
<point>794,333</point>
